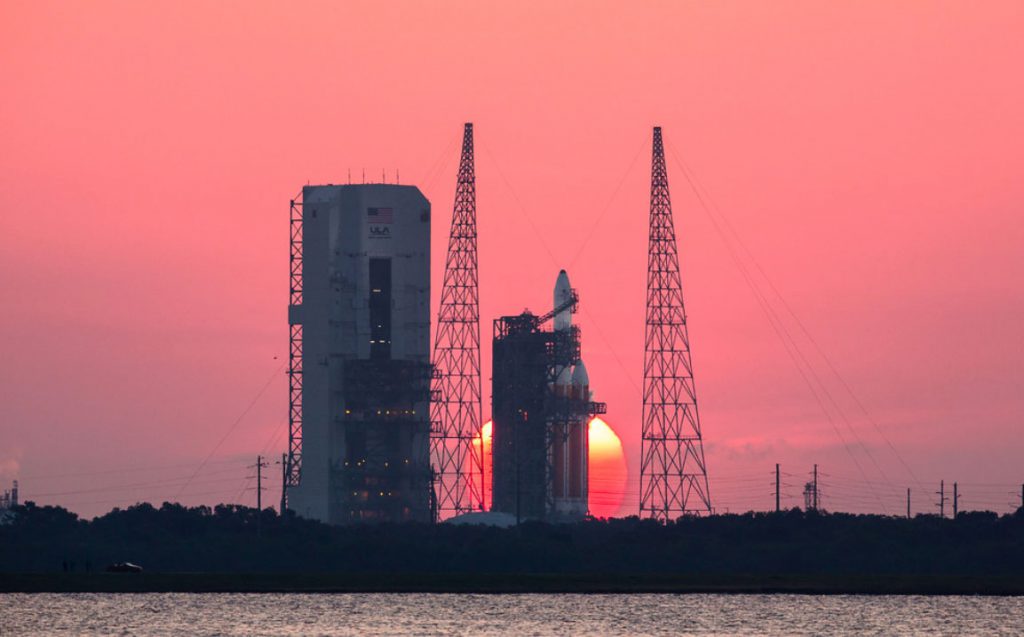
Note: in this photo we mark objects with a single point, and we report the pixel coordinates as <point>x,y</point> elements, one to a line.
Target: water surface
<point>158,614</point>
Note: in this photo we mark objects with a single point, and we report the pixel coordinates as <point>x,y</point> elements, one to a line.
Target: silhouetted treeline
<point>174,538</point>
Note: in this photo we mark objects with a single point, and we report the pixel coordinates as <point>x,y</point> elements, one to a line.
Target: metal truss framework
<point>523,354</point>
<point>673,474</point>
<point>293,469</point>
<point>456,418</point>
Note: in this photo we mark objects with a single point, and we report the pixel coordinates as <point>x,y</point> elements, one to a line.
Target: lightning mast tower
<point>456,416</point>
<point>673,475</point>
<point>293,466</point>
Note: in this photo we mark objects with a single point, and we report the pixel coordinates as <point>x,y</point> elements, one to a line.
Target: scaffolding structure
<point>673,473</point>
<point>382,476</point>
<point>531,417</point>
<point>456,415</point>
<point>293,463</point>
<point>358,364</point>
<point>9,498</point>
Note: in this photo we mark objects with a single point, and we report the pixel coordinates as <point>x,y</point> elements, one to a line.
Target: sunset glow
<point>488,438</point>
<point>855,185</point>
<point>607,474</point>
<point>607,477</point>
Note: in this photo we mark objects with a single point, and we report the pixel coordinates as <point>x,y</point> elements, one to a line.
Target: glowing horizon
<point>867,156</point>
<point>606,477</point>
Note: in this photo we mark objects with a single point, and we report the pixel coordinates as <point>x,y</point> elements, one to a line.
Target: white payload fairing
<point>563,294</point>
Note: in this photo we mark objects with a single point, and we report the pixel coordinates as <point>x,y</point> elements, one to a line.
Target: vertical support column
<point>260,464</point>
<point>284,484</point>
<point>293,470</point>
<point>942,498</point>
<point>673,474</point>
<point>777,497</point>
<point>456,440</point>
<point>816,500</point>
<point>259,483</point>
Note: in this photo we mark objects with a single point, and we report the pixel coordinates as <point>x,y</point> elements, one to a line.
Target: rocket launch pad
<point>541,408</point>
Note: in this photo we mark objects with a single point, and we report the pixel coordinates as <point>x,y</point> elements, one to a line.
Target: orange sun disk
<point>606,478</point>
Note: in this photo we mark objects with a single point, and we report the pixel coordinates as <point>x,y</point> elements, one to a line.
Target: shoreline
<point>511,583</point>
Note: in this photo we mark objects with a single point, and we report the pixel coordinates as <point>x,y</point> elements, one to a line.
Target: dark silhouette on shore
<point>225,539</point>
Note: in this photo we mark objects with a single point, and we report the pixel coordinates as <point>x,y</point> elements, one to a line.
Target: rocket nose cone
<point>562,287</point>
<point>580,377</point>
<point>565,376</point>
<point>562,295</point>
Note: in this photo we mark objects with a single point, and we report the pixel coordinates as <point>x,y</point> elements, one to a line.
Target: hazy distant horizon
<point>868,156</point>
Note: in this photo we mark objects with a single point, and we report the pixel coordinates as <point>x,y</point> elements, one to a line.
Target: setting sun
<point>607,477</point>
<point>607,473</point>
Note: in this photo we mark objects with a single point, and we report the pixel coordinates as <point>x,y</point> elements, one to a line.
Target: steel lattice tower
<point>293,468</point>
<point>456,417</point>
<point>673,475</point>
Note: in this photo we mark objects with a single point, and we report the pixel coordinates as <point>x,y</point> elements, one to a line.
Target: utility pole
<point>815,487</point>
<point>284,482</point>
<point>777,507</point>
<point>259,492</point>
<point>908,503</point>
<point>956,500</point>
<point>259,482</point>
<point>942,498</point>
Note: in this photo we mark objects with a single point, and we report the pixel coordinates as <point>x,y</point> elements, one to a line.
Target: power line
<point>247,481</point>
<point>607,206</point>
<point>170,482</point>
<point>789,344</point>
<point>238,420</point>
<point>437,167</point>
<point>133,487</point>
<point>522,208</point>
<point>803,328</point>
<point>131,469</point>
<point>136,501</point>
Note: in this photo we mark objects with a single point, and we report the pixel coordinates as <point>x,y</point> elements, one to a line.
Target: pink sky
<point>869,155</point>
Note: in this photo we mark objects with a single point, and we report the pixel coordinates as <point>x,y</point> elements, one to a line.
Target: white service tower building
<point>365,355</point>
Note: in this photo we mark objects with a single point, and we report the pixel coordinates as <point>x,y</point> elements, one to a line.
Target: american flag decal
<point>379,215</point>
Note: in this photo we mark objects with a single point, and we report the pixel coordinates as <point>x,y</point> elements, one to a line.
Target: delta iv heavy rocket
<point>570,443</point>
<point>541,407</point>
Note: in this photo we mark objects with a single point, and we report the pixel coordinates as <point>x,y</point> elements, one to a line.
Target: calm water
<point>418,614</point>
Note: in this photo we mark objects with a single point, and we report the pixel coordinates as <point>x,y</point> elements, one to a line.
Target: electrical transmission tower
<point>456,443</point>
<point>673,475</point>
